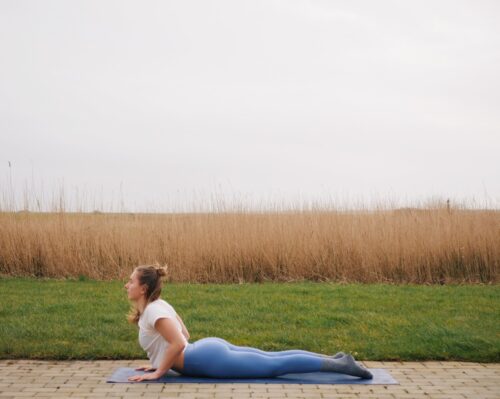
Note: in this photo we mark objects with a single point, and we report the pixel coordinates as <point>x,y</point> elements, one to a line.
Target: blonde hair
<point>151,276</point>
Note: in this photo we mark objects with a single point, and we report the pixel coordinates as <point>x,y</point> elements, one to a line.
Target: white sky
<point>146,105</point>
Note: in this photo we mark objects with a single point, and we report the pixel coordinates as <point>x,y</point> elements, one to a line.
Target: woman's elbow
<point>180,345</point>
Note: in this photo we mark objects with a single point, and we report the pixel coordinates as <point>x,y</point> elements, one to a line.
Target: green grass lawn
<point>71,319</point>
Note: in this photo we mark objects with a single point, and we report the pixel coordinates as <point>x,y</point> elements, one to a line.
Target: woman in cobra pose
<point>164,337</point>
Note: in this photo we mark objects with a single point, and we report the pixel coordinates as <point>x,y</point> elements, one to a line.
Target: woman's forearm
<point>171,354</point>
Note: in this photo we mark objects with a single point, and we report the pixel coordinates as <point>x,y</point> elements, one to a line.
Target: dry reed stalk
<point>408,245</point>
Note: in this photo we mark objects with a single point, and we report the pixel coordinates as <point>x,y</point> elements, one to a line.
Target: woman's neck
<point>140,304</point>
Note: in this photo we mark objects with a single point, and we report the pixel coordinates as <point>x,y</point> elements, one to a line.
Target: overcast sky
<point>152,104</point>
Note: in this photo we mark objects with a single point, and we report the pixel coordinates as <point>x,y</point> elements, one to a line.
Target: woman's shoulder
<point>159,304</point>
<point>156,308</point>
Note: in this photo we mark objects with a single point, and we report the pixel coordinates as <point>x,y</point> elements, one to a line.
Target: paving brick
<point>80,379</point>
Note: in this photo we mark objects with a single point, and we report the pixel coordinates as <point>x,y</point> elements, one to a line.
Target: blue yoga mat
<point>380,377</point>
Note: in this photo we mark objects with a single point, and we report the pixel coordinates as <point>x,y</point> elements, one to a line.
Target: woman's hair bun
<point>161,270</point>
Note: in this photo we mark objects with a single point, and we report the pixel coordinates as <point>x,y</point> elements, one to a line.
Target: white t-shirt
<point>149,338</point>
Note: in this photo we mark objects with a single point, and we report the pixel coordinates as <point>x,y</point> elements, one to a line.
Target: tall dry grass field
<point>409,245</point>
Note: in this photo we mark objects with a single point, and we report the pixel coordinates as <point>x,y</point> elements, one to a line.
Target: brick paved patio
<point>80,379</point>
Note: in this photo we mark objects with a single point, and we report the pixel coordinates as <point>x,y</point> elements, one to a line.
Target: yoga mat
<point>380,377</point>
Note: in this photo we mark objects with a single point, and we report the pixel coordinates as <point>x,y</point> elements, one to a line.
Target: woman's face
<point>134,288</point>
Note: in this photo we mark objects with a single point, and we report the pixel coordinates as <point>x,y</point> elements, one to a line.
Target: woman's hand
<point>145,368</point>
<point>147,376</point>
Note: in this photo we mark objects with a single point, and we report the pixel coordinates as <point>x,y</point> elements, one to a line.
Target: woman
<point>163,335</point>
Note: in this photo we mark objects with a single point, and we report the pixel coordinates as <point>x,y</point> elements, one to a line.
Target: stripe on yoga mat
<point>380,377</point>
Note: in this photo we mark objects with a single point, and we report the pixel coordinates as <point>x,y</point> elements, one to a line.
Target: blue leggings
<point>217,358</point>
